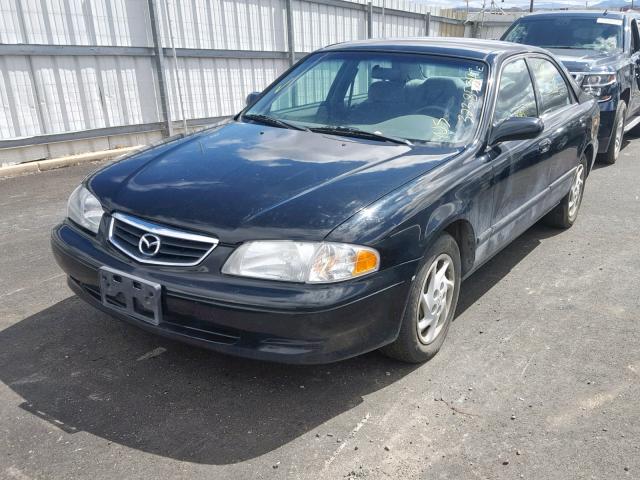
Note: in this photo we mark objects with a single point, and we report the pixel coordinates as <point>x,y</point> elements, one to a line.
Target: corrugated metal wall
<point>226,49</point>
<point>491,26</point>
<point>52,94</point>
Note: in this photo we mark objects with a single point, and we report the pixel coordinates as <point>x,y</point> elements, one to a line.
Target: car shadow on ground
<point>80,370</point>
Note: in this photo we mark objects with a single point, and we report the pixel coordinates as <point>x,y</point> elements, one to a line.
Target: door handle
<point>544,146</point>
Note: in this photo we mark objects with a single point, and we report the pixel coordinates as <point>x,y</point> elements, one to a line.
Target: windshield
<point>415,97</point>
<point>602,34</point>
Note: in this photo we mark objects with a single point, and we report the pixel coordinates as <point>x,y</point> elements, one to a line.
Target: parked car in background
<point>602,52</point>
<point>341,210</point>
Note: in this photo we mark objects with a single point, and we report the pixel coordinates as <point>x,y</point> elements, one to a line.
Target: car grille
<point>155,244</point>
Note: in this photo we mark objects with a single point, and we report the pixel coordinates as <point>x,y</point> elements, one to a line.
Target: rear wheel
<point>565,213</point>
<point>431,305</point>
<point>615,145</point>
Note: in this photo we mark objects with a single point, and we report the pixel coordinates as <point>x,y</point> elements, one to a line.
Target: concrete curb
<point>44,165</point>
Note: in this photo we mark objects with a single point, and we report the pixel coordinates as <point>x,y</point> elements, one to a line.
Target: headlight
<point>599,80</point>
<point>304,262</point>
<point>84,209</point>
<point>596,84</point>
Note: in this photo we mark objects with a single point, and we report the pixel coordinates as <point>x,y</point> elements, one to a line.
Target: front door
<point>519,167</point>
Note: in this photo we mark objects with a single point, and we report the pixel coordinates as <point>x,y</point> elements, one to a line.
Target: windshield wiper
<point>267,120</point>
<point>356,132</point>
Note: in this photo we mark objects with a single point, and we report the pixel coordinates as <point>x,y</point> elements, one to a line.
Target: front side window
<point>416,97</point>
<point>516,96</point>
<point>569,32</point>
<point>551,85</point>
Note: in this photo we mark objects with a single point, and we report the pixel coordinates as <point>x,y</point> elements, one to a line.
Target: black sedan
<point>341,210</point>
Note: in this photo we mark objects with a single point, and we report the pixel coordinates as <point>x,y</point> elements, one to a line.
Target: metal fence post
<point>290,38</point>
<point>427,24</point>
<point>32,73</point>
<point>370,20</point>
<point>159,64</point>
<point>475,29</point>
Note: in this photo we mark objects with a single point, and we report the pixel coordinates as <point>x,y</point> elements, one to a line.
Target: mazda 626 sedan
<point>339,212</point>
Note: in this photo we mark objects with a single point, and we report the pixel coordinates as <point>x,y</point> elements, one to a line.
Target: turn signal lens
<point>366,261</point>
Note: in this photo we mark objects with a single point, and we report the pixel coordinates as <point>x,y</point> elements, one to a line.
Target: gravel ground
<point>539,378</point>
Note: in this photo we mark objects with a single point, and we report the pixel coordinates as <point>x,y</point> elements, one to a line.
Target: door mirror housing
<point>251,98</point>
<point>515,128</point>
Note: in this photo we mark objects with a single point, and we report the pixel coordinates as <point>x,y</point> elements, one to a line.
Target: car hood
<point>245,181</point>
<point>584,60</point>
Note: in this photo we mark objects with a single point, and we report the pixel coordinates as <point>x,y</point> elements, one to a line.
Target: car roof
<point>578,13</point>
<point>456,47</point>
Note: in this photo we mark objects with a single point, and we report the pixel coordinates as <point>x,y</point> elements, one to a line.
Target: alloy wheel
<point>575,194</point>
<point>619,136</point>
<point>435,299</point>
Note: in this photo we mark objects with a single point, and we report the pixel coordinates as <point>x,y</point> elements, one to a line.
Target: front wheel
<point>432,304</point>
<point>565,213</point>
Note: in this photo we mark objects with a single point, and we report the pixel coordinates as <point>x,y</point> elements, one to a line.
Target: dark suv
<point>602,52</point>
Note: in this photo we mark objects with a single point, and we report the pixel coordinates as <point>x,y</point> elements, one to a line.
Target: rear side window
<point>516,97</point>
<point>551,85</point>
<point>369,72</point>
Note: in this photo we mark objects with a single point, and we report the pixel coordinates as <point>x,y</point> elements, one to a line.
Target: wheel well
<point>626,95</point>
<point>462,232</point>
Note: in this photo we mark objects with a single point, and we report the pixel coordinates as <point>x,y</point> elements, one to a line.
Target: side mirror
<point>251,98</point>
<point>515,128</point>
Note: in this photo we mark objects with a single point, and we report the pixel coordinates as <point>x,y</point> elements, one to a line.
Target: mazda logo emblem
<point>149,244</point>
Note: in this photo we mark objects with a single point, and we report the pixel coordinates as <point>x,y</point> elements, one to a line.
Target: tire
<point>565,213</point>
<point>615,144</point>
<point>415,345</point>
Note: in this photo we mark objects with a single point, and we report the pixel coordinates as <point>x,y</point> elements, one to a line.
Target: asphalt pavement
<point>539,377</point>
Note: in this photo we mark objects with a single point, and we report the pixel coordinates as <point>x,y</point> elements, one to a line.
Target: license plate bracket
<point>133,296</point>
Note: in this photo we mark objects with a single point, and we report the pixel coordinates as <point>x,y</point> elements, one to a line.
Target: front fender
<point>444,215</point>
<point>402,224</point>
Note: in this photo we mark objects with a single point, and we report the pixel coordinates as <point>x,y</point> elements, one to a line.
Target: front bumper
<point>273,321</point>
